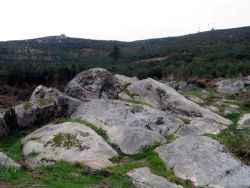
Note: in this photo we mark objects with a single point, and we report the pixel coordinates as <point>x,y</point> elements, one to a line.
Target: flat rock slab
<point>200,126</point>
<point>7,162</point>
<point>71,142</point>
<point>132,127</point>
<point>205,162</point>
<point>169,100</point>
<point>144,178</point>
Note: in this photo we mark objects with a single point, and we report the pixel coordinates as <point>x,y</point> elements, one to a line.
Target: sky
<point>125,20</point>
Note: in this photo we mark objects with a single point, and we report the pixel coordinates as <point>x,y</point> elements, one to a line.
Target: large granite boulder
<point>65,105</point>
<point>96,83</point>
<point>230,86</point>
<point>45,104</point>
<point>6,162</point>
<point>71,142</point>
<point>169,100</point>
<point>244,121</point>
<point>30,114</point>
<point>132,127</point>
<point>144,178</point>
<point>205,162</point>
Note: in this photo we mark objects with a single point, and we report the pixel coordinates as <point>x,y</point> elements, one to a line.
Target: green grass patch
<point>99,131</point>
<point>12,146</point>
<point>236,141</point>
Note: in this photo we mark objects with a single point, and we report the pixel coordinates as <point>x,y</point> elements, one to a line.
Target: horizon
<point>118,20</point>
<point>222,29</point>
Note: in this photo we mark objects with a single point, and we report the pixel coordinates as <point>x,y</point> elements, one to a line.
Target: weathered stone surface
<point>65,105</point>
<point>30,114</point>
<point>132,127</point>
<point>195,99</point>
<point>230,86</point>
<point>200,127</point>
<point>124,97</point>
<point>3,128</point>
<point>231,111</point>
<point>205,162</point>
<point>212,108</point>
<point>125,80</point>
<point>7,162</point>
<point>167,99</point>
<point>94,83</point>
<point>71,142</point>
<point>244,121</point>
<point>144,178</point>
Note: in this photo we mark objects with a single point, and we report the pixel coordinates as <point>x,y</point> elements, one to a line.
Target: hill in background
<point>55,60</point>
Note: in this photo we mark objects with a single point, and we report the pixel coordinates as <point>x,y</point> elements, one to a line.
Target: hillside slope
<point>211,54</point>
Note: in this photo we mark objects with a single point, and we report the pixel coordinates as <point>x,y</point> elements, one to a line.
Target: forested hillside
<point>55,60</point>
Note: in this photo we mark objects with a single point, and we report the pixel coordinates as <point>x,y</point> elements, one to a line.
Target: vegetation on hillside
<point>55,60</point>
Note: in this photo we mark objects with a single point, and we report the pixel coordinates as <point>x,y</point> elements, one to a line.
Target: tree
<point>116,53</point>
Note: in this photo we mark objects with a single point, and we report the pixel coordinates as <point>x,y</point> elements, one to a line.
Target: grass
<point>99,131</point>
<point>237,141</point>
<point>150,159</point>
<point>12,145</point>
<point>62,174</point>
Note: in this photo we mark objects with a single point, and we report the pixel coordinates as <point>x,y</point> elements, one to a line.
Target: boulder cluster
<point>133,115</point>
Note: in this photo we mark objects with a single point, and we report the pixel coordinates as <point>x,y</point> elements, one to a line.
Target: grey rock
<point>195,99</point>
<point>231,111</point>
<point>71,142</point>
<point>244,121</point>
<point>230,86</point>
<point>205,162</point>
<point>200,126</point>
<point>182,85</point>
<point>30,114</point>
<point>124,97</point>
<point>213,108</point>
<point>173,84</point>
<point>3,128</point>
<point>169,100</point>
<point>186,86</point>
<point>144,178</point>
<point>125,80</point>
<point>132,127</point>
<point>96,83</point>
<point>65,105</point>
<point>6,162</point>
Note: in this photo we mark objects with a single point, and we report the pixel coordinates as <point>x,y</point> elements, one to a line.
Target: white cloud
<point>117,19</point>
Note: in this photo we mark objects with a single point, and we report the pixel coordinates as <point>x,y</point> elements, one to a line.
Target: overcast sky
<point>118,19</point>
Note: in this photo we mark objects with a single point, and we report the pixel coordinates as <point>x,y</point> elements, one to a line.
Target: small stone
<point>244,121</point>
<point>231,111</point>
